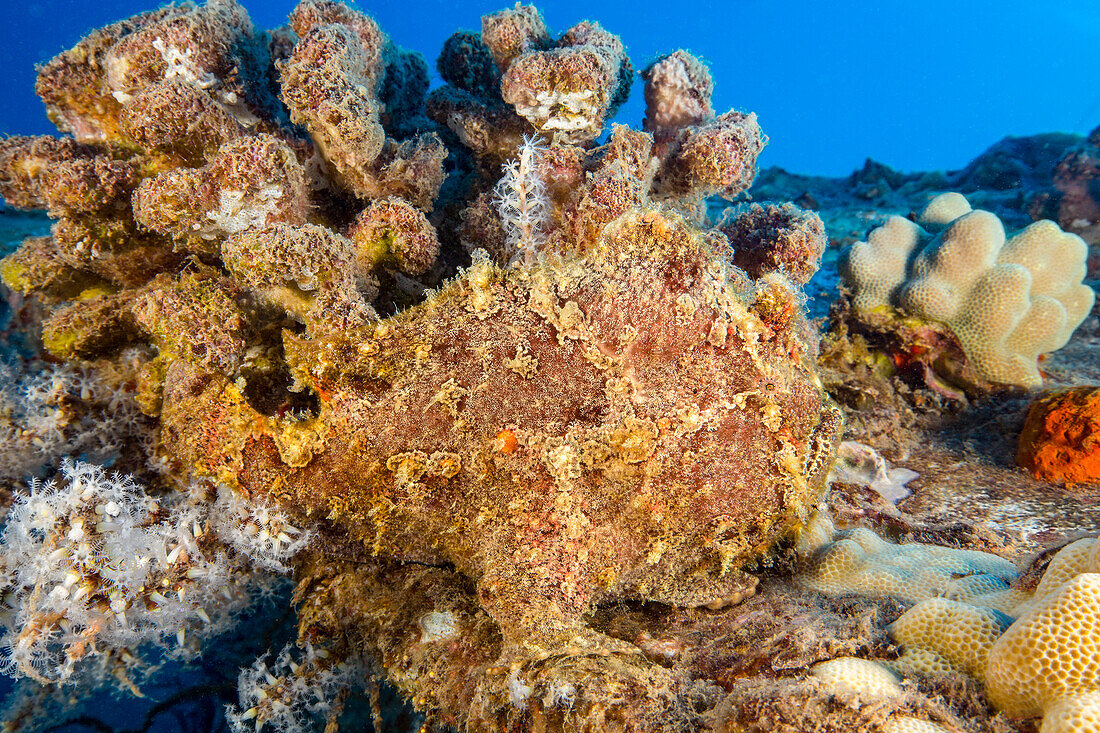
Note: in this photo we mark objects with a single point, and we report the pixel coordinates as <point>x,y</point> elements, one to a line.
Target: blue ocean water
<point>918,85</point>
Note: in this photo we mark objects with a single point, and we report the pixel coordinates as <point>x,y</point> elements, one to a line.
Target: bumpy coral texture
<point>678,88</point>
<point>1034,650</point>
<point>858,677</point>
<point>1060,440</point>
<point>1048,656</point>
<point>960,634</point>
<point>1007,301</point>
<point>862,682</point>
<point>859,561</point>
<point>568,91</point>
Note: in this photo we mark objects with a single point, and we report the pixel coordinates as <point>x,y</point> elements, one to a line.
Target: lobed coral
<point>1006,301</point>
<point>859,561</point>
<point>1028,637</point>
<point>1038,659</point>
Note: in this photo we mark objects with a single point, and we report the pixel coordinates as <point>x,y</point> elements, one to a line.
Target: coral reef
<point>1005,302</point>
<point>664,402</point>
<point>1028,637</point>
<point>537,438</point>
<point>1032,648</point>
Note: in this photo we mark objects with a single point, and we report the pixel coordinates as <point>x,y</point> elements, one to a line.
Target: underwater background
<point>916,85</point>
<point>922,89</point>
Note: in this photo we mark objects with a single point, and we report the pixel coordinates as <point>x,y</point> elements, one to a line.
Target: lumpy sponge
<point>1060,440</point>
<point>1007,300</point>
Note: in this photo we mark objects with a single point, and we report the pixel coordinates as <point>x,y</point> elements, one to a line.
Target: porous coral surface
<point>1006,300</point>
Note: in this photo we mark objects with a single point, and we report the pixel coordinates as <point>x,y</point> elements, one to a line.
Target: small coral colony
<point>538,441</point>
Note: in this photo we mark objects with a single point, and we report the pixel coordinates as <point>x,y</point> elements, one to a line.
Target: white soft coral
<point>92,565</point>
<point>257,530</point>
<point>286,695</point>
<point>523,203</point>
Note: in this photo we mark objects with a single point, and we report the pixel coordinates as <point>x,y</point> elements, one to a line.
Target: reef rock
<point>1075,201</point>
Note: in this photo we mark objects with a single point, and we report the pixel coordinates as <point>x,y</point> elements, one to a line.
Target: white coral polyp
<point>238,211</point>
<point>182,67</point>
<point>91,566</point>
<point>285,695</point>
<point>258,530</point>
<point>523,203</point>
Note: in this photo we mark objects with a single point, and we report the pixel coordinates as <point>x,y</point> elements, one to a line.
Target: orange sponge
<point>1061,437</point>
